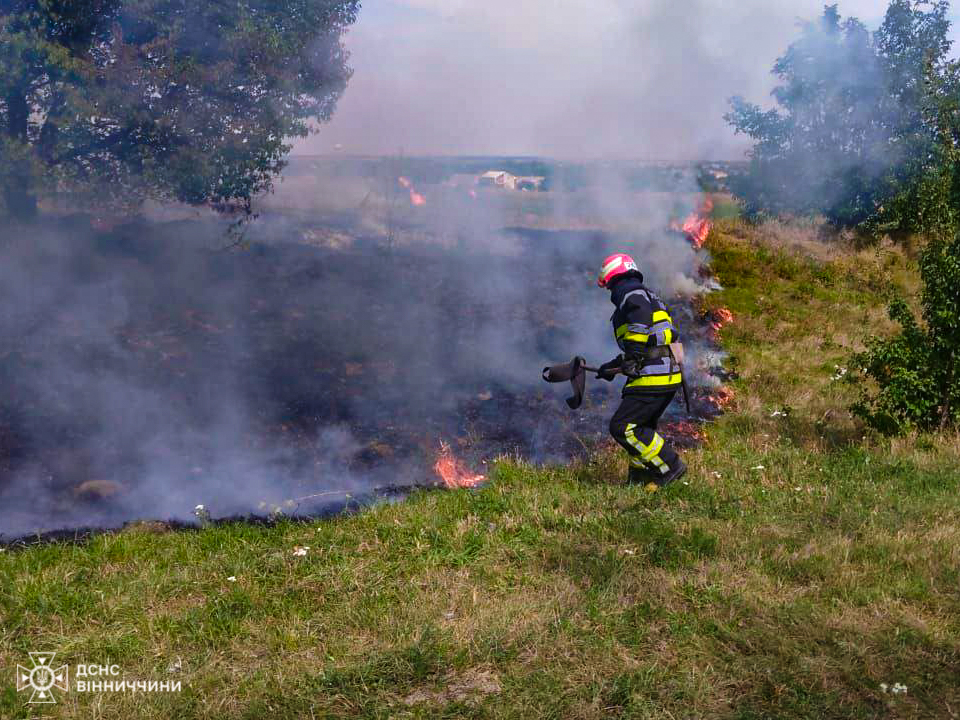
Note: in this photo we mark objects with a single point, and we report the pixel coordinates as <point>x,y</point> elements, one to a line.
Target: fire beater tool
<point>576,371</point>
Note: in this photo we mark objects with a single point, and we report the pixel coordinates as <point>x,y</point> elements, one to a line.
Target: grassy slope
<point>793,591</point>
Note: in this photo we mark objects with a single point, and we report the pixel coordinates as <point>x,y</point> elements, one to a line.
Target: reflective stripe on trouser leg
<point>648,453</point>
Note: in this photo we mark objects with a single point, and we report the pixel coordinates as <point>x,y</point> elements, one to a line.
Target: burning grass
<point>803,572</point>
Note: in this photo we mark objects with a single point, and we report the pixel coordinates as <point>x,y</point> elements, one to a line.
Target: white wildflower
<point>883,687</point>
<point>758,467</point>
<point>299,551</point>
<point>232,578</point>
<point>898,688</point>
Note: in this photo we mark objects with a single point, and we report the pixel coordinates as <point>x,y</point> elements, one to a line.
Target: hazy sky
<point>644,79</point>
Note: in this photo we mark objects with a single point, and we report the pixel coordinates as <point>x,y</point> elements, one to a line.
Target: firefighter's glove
<point>608,371</point>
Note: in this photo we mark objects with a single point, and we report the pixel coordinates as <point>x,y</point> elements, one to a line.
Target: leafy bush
<point>918,370</point>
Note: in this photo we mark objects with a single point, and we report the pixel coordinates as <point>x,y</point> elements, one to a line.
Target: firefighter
<point>644,332</point>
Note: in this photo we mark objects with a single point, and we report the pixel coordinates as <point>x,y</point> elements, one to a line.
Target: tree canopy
<point>167,98</point>
<point>850,122</point>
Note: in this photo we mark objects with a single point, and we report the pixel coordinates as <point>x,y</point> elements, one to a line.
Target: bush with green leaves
<point>917,372</point>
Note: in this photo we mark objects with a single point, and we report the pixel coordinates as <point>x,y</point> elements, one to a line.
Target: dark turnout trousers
<point>634,426</point>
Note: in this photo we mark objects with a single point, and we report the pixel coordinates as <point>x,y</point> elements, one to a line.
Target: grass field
<point>803,569</point>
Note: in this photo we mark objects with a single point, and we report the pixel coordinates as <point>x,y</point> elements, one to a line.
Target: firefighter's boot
<point>641,474</point>
<point>677,469</point>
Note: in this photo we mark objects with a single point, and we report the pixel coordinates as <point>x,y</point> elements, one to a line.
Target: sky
<point>570,79</point>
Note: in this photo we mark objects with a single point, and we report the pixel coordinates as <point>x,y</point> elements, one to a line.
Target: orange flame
<point>416,199</point>
<point>722,398</point>
<point>452,473</point>
<point>697,224</point>
<point>721,318</point>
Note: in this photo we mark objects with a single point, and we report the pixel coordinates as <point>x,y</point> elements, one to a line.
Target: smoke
<point>147,370</point>
<point>572,80</point>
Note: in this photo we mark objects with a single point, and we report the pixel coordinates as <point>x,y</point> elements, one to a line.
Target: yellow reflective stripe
<point>654,455</point>
<point>660,316</point>
<point>623,333</point>
<point>668,336</point>
<point>648,453</point>
<point>655,447</point>
<point>656,380</point>
<point>635,442</point>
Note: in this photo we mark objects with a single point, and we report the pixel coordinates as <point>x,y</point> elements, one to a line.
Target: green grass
<point>793,591</point>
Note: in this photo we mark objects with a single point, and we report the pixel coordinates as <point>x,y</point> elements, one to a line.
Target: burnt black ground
<point>146,369</point>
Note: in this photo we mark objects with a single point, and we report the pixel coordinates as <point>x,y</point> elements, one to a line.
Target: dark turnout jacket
<point>643,329</point>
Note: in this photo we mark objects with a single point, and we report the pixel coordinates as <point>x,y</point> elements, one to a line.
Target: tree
<point>165,98</point>
<point>917,371</point>
<point>848,120</point>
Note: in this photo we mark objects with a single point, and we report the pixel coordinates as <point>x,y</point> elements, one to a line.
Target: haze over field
<point>566,79</point>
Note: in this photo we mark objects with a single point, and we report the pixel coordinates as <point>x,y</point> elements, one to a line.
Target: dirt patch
<point>468,687</point>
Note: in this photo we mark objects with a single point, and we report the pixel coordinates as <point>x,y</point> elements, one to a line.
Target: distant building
<point>504,180</point>
<point>498,179</point>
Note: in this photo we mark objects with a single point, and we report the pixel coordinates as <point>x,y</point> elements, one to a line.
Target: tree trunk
<point>17,191</point>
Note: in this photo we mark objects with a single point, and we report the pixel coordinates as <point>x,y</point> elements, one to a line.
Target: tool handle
<point>597,370</point>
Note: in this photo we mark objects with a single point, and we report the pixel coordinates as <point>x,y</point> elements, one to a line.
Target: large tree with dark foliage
<point>165,98</point>
<point>849,123</point>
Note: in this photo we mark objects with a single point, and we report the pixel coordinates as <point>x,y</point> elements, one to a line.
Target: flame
<point>721,318</point>
<point>722,398</point>
<point>697,224</point>
<point>452,473</point>
<point>416,199</point>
